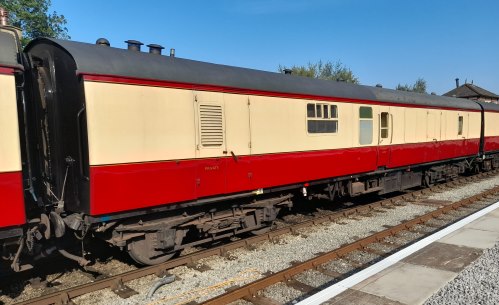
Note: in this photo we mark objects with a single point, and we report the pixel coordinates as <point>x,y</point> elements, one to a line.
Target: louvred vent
<point>211,118</point>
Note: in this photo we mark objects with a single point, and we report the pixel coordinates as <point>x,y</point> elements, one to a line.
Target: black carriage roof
<point>489,106</point>
<point>8,51</point>
<point>103,60</point>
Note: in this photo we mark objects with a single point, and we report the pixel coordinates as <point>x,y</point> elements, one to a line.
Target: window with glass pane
<point>318,111</point>
<point>383,126</point>
<point>334,111</point>
<point>366,112</point>
<point>365,125</point>
<point>310,110</point>
<point>460,125</point>
<point>322,118</point>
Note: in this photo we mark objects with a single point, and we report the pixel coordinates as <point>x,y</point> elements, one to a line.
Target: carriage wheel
<point>143,253</point>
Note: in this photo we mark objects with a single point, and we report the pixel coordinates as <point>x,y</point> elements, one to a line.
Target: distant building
<point>473,92</point>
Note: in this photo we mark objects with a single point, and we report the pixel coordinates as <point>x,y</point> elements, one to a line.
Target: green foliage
<point>329,71</point>
<point>419,86</point>
<point>35,20</point>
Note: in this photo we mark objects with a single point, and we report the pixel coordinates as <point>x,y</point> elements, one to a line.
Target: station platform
<point>417,276</point>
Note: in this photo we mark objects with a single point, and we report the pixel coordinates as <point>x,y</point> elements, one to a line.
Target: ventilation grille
<point>212,133</point>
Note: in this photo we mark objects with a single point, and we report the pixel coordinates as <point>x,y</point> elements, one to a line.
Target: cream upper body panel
<point>237,122</point>
<point>473,126</point>
<point>280,125</point>
<point>395,126</point>
<point>128,123</point>
<point>10,154</point>
<point>424,125</point>
<point>131,123</point>
<point>491,124</point>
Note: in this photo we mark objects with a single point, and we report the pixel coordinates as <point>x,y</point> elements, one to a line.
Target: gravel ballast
<point>459,193</point>
<point>313,278</point>
<point>477,284</point>
<point>20,291</point>
<point>248,265</point>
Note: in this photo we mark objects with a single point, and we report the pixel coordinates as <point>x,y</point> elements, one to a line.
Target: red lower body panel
<point>418,153</point>
<point>12,210</point>
<point>491,144</point>
<point>118,188</point>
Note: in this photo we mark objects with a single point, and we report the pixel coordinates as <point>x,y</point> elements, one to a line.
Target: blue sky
<point>383,41</point>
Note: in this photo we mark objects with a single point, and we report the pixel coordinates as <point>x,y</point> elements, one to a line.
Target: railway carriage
<point>12,207</point>
<point>491,132</point>
<point>154,153</point>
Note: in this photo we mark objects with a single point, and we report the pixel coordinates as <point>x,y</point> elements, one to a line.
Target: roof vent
<point>172,52</point>
<point>457,82</point>
<point>103,42</point>
<point>155,49</point>
<point>4,17</point>
<point>134,45</point>
<point>287,71</point>
<point>379,86</point>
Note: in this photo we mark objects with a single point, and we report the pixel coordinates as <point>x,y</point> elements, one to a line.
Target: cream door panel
<point>10,154</point>
<point>385,122</point>
<point>237,124</point>
<point>210,124</point>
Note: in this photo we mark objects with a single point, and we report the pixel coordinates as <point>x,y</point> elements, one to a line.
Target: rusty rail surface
<point>117,282</point>
<point>250,291</point>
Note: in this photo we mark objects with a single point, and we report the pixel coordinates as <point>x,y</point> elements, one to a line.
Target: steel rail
<point>117,281</point>
<point>250,290</point>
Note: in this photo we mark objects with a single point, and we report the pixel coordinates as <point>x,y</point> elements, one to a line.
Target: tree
<point>419,86</point>
<point>35,20</point>
<point>329,71</point>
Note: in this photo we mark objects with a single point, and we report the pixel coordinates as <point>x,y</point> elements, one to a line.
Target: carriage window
<point>366,125</point>
<point>366,112</point>
<point>322,118</point>
<point>460,125</point>
<point>334,111</point>
<point>383,127</point>
<point>319,111</point>
<point>311,111</point>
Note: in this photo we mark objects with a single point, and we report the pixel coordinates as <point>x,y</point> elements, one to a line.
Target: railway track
<point>117,283</point>
<point>251,291</point>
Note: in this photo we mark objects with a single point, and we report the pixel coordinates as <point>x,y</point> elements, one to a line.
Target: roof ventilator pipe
<point>134,45</point>
<point>457,82</point>
<point>4,17</point>
<point>172,52</point>
<point>103,42</point>
<point>379,86</point>
<point>288,71</point>
<point>155,49</point>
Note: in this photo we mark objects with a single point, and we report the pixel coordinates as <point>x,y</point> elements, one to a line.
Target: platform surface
<point>417,277</point>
